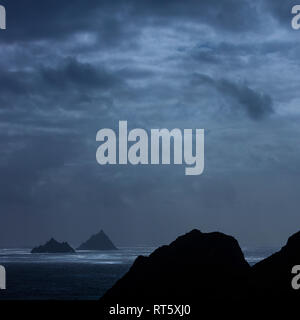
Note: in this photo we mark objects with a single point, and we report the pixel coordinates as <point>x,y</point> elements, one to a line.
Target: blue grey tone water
<point>85,275</point>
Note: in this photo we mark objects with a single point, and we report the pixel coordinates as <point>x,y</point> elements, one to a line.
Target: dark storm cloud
<point>115,21</point>
<point>225,52</point>
<point>68,85</point>
<point>68,74</point>
<point>13,82</point>
<point>36,20</point>
<point>78,75</point>
<point>70,68</point>
<point>228,15</point>
<point>281,10</point>
<point>256,104</point>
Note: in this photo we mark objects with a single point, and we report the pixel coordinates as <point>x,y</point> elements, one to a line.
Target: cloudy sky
<point>70,68</point>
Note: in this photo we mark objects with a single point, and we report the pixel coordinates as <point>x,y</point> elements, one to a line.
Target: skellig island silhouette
<point>53,246</point>
<point>99,241</point>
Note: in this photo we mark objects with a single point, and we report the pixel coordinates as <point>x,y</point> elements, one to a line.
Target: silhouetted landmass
<point>195,267</point>
<point>271,278</point>
<point>209,272</point>
<point>99,241</point>
<point>53,246</point>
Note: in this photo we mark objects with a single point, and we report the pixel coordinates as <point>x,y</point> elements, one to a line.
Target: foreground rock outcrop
<point>198,266</point>
<point>208,271</point>
<point>53,246</point>
<point>271,278</point>
<point>99,241</point>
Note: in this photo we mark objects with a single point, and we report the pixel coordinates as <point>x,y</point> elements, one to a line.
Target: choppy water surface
<point>82,275</point>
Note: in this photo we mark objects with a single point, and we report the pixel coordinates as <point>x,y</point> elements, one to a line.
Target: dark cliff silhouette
<point>99,241</point>
<point>201,267</point>
<point>53,246</point>
<point>209,272</point>
<point>271,278</point>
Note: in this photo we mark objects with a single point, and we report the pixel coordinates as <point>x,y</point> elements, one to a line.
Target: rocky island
<point>99,241</point>
<point>53,246</point>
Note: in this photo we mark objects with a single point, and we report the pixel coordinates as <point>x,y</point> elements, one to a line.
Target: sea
<point>85,275</point>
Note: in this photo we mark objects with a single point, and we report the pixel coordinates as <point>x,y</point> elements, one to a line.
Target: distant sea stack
<point>53,246</point>
<point>199,268</point>
<point>99,241</point>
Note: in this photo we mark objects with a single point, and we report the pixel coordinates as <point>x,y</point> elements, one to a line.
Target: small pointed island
<point>99,241</point>
<point>53,246</point>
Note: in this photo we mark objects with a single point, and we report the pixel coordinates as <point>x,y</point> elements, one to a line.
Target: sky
<point>71,68</point>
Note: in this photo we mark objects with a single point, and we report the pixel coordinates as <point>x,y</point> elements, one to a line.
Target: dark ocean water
<point>85,275</point>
